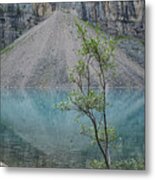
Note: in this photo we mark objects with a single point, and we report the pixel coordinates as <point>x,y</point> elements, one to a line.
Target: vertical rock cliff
<point>115,17</point>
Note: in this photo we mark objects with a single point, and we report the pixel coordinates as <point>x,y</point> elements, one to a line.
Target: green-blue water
<point>34,133</point>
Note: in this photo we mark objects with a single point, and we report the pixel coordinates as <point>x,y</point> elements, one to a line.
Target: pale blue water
<point>34,133</point>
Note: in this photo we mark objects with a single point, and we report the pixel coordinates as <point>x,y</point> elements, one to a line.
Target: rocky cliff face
<point>116,17</point>
<point>15,19</point>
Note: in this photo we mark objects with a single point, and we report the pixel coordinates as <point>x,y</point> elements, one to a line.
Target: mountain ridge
<point>41,56</point>
<point>114,17</point>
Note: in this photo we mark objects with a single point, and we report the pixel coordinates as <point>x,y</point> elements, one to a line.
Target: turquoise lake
<point>34,133</point>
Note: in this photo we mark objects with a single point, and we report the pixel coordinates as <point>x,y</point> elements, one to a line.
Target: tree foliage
<point>94,67</point>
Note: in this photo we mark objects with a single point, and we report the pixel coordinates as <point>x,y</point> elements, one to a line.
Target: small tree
<point>94,67</point>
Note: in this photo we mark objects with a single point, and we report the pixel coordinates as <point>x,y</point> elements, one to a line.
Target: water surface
<point>34,133</point>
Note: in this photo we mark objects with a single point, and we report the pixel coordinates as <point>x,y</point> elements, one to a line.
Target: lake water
<point>34,133</point>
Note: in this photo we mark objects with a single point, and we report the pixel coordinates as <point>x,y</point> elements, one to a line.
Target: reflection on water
<point>34,133</point>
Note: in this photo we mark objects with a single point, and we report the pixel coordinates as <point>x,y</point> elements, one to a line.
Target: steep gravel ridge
<point>41,56</point>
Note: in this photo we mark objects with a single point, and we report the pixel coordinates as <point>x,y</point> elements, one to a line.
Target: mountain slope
<point>40,57</point>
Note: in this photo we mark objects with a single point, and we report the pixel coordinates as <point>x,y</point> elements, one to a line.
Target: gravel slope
<point>40,57</point>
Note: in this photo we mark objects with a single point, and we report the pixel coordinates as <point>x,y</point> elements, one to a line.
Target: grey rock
<point>115,17</point>
<point>40,59</point>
